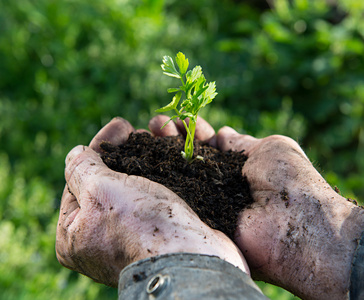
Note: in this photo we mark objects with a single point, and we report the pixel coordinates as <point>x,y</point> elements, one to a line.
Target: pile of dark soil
<point>214,188</point>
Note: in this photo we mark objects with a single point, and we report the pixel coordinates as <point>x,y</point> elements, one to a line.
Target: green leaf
<point>172,75</point>
<point>193,79</point>
<point>172,105</point>
<point>169,68</point>
<point>172,118</point>
<point>186,105</point>
<point>199,85</point>
<point>195,74</point>
<point>186,115</point>
<point>173,90</point>
<point>209,93</point>
<point>182,63</point>
<point>197,94</point>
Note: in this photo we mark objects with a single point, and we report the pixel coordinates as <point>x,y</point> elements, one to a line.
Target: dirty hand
<point>108,219</point>
<point>299,233</point>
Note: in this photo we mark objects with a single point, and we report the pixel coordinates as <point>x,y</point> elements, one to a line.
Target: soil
<point>214,188</point>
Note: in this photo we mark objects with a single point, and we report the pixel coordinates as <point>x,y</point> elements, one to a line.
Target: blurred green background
<point>67,67</point>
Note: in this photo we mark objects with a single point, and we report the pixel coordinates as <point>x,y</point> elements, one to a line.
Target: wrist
<point>331,239</point>
<point>302,240</point>
<point>204,241</point>
<point>167,276</point>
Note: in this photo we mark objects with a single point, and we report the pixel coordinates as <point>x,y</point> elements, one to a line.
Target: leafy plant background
<point>67,67</point>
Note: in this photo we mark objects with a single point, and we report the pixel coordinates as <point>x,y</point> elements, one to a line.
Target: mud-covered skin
<point>108,220</point>
<point>299,234</point>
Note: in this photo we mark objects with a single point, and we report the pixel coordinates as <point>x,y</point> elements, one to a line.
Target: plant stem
<point>190,130</point>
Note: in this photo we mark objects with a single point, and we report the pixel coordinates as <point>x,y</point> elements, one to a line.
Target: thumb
<point>229,139</point>
<point>116,132</point>
<point>82,164</point>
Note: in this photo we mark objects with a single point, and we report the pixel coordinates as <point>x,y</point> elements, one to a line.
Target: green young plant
<point>194,92</point>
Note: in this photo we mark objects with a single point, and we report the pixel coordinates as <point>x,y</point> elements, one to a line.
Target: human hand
<point>108,219</point>
<point>299,233</point>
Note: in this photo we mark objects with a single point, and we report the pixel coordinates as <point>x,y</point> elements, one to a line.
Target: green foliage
<point>299,53</point>
<point>302,59</point>
<point>197,93</point>
<point>297,70</point>
<point>28,265</point>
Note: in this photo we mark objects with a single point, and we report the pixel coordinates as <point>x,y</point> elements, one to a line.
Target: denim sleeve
<point>186,276</point>
<point>356,291</point>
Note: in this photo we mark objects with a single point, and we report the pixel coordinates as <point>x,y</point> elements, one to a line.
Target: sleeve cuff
<point>186,276</point>
<point>356,290</point>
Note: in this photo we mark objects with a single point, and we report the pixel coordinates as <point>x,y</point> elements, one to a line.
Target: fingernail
<point>228,130</point>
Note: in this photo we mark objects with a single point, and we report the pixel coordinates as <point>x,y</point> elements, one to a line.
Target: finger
<point>69,208</point>
<point>116,132</point>
<point>82,163</point>
<point>204,131</point>
<point>156,123</point>
<point>228,139</point>
<point>142,131</point>
<point>67,213</point>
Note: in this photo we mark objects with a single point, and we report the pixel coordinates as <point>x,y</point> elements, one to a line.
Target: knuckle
<point>282,141</point>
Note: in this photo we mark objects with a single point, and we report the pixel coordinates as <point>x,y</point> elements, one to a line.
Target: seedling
<point>194,92</point>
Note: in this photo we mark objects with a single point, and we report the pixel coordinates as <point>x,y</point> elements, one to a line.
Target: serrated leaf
<point>209,93</point>
<point>169,68</point>
<point>195,74</point>
<point>182,63</point>
<point>172,105</point>
<point>200,91</point>
<point>193,81</point>
<point>199,84</point>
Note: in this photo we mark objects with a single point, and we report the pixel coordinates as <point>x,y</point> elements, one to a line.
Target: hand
<point>299,233</point>
<point>108,219</point>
